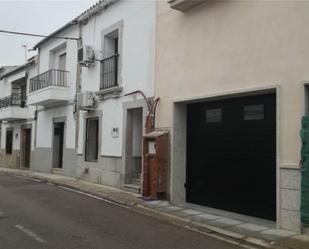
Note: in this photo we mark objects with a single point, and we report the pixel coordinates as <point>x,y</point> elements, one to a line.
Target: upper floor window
<point>62,61</point>
<point>9,142</point>
<point>58,58</point>
<point>110,64</point>
<point>57,75</point>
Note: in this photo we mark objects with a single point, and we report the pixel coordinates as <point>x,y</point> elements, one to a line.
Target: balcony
<point>49,88</point>
<point>13,107</point>
<point>183,5</point>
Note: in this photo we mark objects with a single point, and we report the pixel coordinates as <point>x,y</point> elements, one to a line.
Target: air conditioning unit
<point>85,100</point>
<point>85,55</point>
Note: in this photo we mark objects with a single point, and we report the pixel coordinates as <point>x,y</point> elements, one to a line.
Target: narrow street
<point>37,215</point>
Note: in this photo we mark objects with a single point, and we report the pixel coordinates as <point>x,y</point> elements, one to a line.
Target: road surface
<point>35,215</point>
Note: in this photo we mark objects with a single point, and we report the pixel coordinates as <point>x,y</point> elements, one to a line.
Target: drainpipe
<point>36,107</point>
<point>152,107</point>
<point>78,85</point>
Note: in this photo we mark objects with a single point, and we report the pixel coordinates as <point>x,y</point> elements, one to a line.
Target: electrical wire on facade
<point>36,35</point>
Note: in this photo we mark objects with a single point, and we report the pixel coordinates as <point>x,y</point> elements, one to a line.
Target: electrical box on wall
<point>115,132</point>
<point>151,147</point>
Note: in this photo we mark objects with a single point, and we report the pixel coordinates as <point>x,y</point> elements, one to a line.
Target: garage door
<point>231,153</point>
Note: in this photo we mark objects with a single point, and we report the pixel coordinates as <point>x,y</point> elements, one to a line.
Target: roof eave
<point>17,70</point>
<point>46,39</point>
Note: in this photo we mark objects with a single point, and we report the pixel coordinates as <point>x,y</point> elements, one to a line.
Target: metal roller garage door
<point>231,155</point>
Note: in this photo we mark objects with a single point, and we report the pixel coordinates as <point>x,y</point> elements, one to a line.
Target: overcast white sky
<point>41,16</point>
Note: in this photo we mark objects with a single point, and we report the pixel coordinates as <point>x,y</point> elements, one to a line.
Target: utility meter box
<point>155,151</point>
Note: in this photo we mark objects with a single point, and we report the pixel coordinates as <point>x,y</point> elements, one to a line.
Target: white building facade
<point>52,91</point>
<point>123,39</point>
<point>16,116</point>
<point>101,143</point>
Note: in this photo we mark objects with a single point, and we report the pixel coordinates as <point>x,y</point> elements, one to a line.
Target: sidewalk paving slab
<point>254,234</point>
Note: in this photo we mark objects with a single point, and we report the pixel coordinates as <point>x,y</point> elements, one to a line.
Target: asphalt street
<point>35,215</point>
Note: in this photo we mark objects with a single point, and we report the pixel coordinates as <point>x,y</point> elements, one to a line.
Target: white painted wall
<point>16,135</point>
<point>45,126</point>
<point>3,132</point>
<point>137,53</point>
<point>47,60</point>
<point>5,90</point>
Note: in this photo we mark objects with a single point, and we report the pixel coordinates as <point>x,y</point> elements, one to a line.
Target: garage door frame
<point>178,157</point>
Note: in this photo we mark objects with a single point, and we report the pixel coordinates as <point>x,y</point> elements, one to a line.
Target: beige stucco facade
<point>222,48</point>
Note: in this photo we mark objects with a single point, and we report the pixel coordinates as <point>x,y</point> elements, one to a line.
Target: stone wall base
<point>107,170</point>
<point>10,160</point>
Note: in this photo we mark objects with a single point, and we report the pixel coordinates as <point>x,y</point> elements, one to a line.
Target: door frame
<point>88,115</point>
<point>86,138</point>
<point>240,102</point>
<point>22,156</point>
<point>125,107</point>
<point>64,121</point>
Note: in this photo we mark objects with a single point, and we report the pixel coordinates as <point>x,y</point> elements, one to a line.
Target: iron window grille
<point>15,99</point>
<point>109,72</point>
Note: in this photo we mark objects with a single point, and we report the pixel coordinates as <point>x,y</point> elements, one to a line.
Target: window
<point>92,139</point>
<point>9,142</point>
<point>57,57</point>
<point>62,61</point>
<point>109,64</point>
<point>253,112</point>
<point>213,115</point>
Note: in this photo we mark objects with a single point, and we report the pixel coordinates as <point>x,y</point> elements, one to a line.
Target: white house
<point>86,124</point>
<point>16,116</point>
<point>110,136</point>
<point>52,90</point>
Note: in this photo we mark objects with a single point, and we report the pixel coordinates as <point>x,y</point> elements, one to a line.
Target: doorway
<point>231,155</point>
<point>92,140</point>
<point>58,145</point>
<point>133,147</point>
<point>26,147</point>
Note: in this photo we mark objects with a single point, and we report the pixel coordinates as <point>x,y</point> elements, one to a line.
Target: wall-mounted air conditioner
<point>85,100</point>
<point>85,55</point>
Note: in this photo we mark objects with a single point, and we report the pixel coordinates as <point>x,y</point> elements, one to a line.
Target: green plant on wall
<point>304,134</point>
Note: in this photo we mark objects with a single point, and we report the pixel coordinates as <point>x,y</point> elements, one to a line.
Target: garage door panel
<point>231,153</point>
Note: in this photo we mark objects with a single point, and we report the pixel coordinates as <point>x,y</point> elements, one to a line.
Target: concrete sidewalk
<point>204,221</point>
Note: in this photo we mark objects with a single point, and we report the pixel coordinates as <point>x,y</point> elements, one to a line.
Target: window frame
<point>9,146</point>
<point>118,26</point>
<point>87,140</point>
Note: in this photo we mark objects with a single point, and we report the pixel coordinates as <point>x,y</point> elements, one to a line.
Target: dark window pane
<point>92,136</point>
<point>213,115</point>
<point>9,142</point>
<point>254,112</point>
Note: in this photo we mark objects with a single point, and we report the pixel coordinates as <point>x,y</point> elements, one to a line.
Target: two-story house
<point>122,37</point>
<point>95,76</point>
<point>52,91</point>
<point>16,116</point>
<point>240,69</point>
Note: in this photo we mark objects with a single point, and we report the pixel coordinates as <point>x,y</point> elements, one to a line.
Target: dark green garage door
<point>231,155</point>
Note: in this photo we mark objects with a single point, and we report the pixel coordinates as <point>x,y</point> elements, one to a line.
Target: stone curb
<point>140,207</point>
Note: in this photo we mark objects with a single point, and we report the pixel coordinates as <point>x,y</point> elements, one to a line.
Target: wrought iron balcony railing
<point>109,72</point>
<point>53,77</point>
<point>16,99</point>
